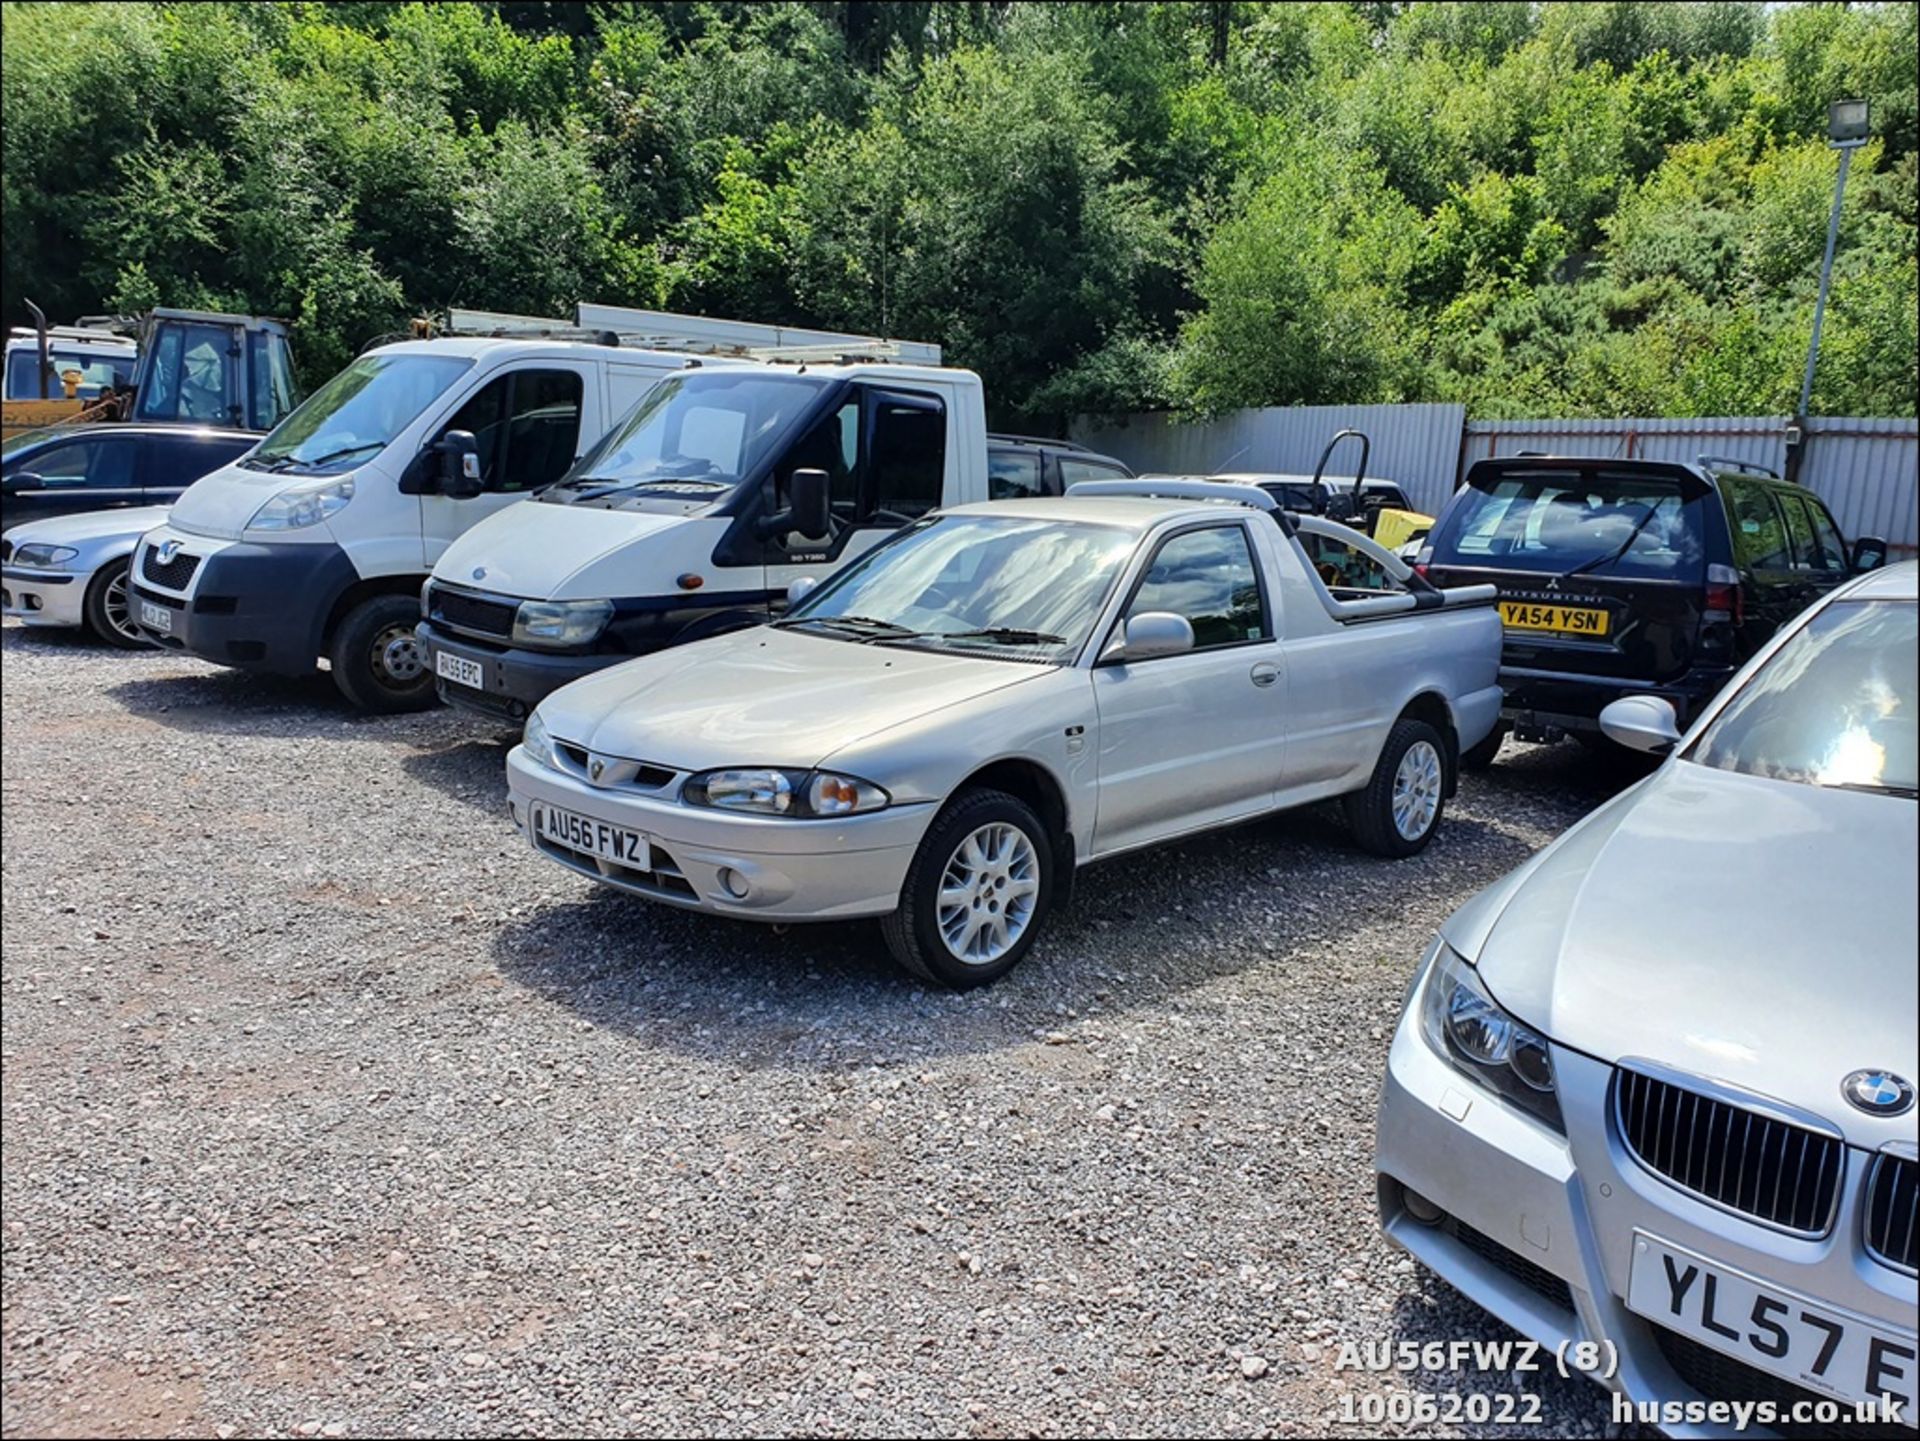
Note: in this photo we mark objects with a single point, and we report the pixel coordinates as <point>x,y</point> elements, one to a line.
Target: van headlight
<point>560,622</point>
<point>1471,1029</point>
<point>770,791</point>
<point>300,506</point>
<point>537,743</point>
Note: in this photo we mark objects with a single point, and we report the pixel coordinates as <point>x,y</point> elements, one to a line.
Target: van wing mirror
<point>808,509</point>
<point>457,455</point>
<point>1869,553</point>
<point>1150,634</point>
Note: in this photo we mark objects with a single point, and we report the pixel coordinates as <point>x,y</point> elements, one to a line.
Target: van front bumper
<point>42,597</point>
<point>753,867</point>
<point>512,681</point>
<point>258,607</point>
<point>1538,1228</point>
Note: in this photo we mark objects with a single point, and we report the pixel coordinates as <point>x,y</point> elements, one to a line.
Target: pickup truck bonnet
<point>766,696</point>
<point>533,549</point>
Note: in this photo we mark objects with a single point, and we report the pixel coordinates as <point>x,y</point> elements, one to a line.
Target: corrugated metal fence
<point>1866,469</point>
<point>1417,445</point>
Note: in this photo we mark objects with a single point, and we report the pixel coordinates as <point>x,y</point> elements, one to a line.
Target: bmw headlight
<point>560,622</point>
<point>770,791</point>
<point>538,744</point>
<point>40,553</point>
<point>1465,1024</point>
<point>303,505</point>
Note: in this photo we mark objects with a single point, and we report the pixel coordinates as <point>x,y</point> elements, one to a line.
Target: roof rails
<point>1173,489</point>
<point>694,334</point>
<point>1008,437</point>
<point>1727,462</point>
<point>88,334</point>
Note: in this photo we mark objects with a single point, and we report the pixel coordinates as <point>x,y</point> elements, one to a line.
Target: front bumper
<point>513,681</point>
<point>792,870</point>
<point>42,597</point>
<point>1548,700</point>
<point>1538,1229</point>
<point>259,607</point>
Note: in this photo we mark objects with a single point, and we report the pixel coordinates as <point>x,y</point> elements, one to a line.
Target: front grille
<point>1779,1173</point>
<point>175,574</point>
<point>471,612</point>
<point>1893,1210</point>
<point>1719,1377</point>
<point>665,879</point>
<point>1537,1279</point>
<point>647,778</point>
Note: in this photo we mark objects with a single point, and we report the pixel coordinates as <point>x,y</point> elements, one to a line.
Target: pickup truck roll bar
<point>1171,488</point>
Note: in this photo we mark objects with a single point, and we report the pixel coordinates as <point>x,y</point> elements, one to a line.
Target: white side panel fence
<point>1866,469</point>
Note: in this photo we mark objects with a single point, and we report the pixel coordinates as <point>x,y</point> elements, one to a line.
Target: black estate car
<point>1632,577</point>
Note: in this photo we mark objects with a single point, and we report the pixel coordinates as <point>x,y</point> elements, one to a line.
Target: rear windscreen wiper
<point>1624,547</point>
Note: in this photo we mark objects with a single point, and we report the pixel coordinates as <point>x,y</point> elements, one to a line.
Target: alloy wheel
<point>987,893</point>
<point>1416,791</point>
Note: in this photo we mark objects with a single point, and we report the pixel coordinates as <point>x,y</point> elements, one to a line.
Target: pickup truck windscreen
<point>356,415</point>
<point>692,438</point>
<point>1577,523</point>
<point>1010,588</point>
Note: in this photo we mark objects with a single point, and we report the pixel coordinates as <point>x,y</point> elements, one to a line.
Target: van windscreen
<point>1560,522</point>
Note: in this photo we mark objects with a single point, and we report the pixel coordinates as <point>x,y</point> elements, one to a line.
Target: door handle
<point>1264,674</point>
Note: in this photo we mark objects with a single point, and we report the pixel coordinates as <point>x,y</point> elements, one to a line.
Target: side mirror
<point>22,480</point>
<point>808,510</point>
<point>459,465</point>
<point>1642,723</point>
<point>799,590</point>
<point>1869,553</point>
<point>1150,634</point>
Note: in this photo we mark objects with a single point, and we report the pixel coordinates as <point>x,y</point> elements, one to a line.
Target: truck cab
<point>690,518</point>
<point>315,545</point>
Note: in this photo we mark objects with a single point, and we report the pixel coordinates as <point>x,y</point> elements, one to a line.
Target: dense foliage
<point>1574,208</point>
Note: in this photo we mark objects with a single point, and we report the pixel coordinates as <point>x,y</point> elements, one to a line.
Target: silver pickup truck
<point>941,733</point>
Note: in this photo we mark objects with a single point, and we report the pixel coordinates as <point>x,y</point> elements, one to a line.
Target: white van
<point>315,545</point>
<point>694,515</point>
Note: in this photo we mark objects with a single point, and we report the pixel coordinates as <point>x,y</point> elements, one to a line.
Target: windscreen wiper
<point>1874,788</point>
<point>1625,546</point>
<point>341,454</point>
<point>1002,635</point>
<point>865,626</point>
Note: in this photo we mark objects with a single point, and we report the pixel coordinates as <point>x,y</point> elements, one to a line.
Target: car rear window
<point>1593,522</point>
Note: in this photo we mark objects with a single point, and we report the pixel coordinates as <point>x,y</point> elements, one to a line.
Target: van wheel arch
<point>364,590</point>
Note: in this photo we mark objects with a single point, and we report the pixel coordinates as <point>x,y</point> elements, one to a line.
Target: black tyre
<point>378,663</point>
<point>1480,757</point>
<point>1400,809</point>
<point>108,606</point>
<point>976,894</point>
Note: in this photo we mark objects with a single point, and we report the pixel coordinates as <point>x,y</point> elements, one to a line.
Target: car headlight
<point>769,791</point>
<point>300,506</point>
<point>560,622</point>
<point>1467,1026</point>
<point>538,744</point>
<point>40,553</point>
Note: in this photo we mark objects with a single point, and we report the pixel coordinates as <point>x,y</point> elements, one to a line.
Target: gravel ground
<point>332,1110</point>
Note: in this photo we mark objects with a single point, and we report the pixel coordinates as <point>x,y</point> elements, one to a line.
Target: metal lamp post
<point>1846,132</point>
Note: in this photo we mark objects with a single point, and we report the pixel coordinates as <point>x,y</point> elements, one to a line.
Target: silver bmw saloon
<point>1651,1099</point>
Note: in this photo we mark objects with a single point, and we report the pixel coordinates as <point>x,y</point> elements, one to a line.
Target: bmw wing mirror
<point>24,480</point>
<point>1642,723</point>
